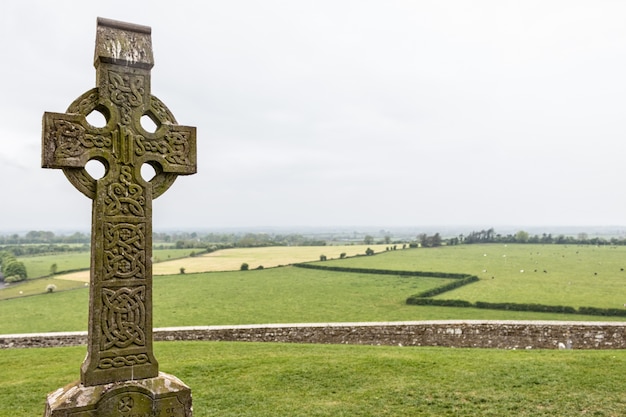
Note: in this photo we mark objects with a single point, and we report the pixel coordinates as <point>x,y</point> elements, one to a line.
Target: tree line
<point>521,236</point>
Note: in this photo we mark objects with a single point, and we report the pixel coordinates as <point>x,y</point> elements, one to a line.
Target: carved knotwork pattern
<point>121,361</point>
<point>160,110</point>
<point>124,251</point>
<point>127,92</point>
<point>173,147</point>
<point>72,140</point>
<point>123,317</point>
<point>125,197</point>
<point>85,103</point>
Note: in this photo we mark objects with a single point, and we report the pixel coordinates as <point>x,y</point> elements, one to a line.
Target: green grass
<point>278,295</point>
<point>39,266</point>
<point>575,275</point>
<point>38,287</point>
<point>254,379</point>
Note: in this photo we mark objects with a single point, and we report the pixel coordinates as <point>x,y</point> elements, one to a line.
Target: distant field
<point>231,259</point>
<point>289,294</point>
<point>40,266</point>
<point>546,274</point>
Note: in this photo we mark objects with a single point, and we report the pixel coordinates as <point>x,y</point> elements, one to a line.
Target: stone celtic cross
<point>120,313</point>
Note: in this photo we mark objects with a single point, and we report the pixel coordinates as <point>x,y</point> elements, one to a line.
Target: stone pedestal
<point>162,396</point>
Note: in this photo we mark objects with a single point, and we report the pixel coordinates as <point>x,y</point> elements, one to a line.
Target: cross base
<point>162,396</point>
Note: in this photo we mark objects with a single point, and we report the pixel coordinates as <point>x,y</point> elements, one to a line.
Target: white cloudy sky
<point>327,113</point>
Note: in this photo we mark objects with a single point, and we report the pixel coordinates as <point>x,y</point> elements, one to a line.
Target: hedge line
<point>384,271</point>
<point>423,298</point>
<point>448,287</point>
<point>413,300</point>
<point>538,308</point>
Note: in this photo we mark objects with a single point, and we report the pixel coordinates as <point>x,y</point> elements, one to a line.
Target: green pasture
<point>39,266</point>
<point>569,275</point>
<point>268,379</point>
<point>38,287</point>
<point>276,295</point>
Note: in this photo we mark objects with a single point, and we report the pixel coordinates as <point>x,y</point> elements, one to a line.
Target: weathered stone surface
<point>120,314</point>
<point>120,375</point>
<point>162,396</point>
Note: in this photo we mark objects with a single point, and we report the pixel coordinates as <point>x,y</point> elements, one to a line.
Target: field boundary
<point>425,298</point>
<point>444,333</point>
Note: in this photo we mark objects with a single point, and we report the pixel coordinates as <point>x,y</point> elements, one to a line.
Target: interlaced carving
<point>120,318</point>
<point>71,139</point>
<point>125,91</point>
<point>160,110</point>
<point>124,249</point>
<point>86,103</point>
<point>125,197</point>
<point>173,147</point>
<point>120,361</point>
<point>123,317</point>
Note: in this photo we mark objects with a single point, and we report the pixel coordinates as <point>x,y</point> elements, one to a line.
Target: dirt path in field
<point>231,259</point>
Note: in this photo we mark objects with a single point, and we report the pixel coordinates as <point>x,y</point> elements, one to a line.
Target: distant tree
<point>342,255</point>
<point>15,268</point>
<point>521,236</point>
<point>369,251</point>
<point>244,267</point>
<point>368,240</point>
<point>434,240</point>
<point>322,257</point>
<point>53,269</point>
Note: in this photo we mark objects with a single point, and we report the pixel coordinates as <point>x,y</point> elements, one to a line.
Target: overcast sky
<point>341,113</point>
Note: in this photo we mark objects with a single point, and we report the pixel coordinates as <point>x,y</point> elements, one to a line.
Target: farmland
<point>288,294</point>
<point>569,275</point>
<point>323,380</point>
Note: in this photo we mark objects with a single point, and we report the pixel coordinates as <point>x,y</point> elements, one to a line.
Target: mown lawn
<point>254,379</point>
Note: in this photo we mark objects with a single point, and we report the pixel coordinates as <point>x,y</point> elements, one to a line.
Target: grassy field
<point>289,294</point>
<point>170,261</point>
<point>39,266</point>
<point>545,274</point>
<point>278,295</point>
<point>267,257</point>
<point>252,379</point>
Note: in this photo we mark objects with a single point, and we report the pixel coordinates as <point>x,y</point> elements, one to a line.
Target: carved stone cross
<point>120,313</point>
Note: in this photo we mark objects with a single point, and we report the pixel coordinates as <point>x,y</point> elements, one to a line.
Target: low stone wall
<point>473,334</point>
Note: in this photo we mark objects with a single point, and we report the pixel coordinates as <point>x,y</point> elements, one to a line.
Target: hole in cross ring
<point>96,168</point>
<point>147,172</point>
<point>148,124</point>
<point>97,118</point>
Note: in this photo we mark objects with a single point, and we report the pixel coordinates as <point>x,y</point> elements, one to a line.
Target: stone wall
<point>474,334</point>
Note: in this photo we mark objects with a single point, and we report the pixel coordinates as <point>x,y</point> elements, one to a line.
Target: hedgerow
<point>425,298</point>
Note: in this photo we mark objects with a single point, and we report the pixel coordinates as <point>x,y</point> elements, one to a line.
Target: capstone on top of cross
<point>123,43</point>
